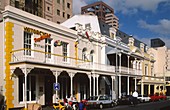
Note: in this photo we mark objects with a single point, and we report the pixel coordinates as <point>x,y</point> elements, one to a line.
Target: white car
<point>144,98</point>
<point>100,101</point>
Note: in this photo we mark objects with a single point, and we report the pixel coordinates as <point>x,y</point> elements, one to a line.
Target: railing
<point>97,66</point>
<point>49,58</point>
<point>132,71</point>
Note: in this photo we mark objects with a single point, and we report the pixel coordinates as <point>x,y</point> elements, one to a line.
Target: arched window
<point>84,54</point>
<point>92,56</point>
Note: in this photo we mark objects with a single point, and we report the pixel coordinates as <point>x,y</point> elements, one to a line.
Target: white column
<point>142,87</point>
<point>25,71</point>
<point>94,88</point>
<point>135,84</point>
<point>85,92</point>
<point>66,81</point>
<point>56,81</point>
<point>128,64</point>
<point>127,85</point>
<point>113,91</point>
<point>135,66</point>
<point>97,81</point>
<point>90,83</point>
<point>37,91</point>
<point>71,82</point>
<point>25,98</point>
<point>120,62</point>
<point>71,85</point>
<point>120,86</point>
<point>159,88</point>
<point>149,89</point>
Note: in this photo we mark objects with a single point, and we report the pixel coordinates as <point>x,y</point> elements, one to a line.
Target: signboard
<point>57,86</point>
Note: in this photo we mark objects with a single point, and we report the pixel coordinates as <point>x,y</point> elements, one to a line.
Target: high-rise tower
<point>54,10</point>
<point>104,12</point>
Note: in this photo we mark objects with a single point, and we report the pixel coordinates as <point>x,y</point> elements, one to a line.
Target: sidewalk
<point>47,108</point>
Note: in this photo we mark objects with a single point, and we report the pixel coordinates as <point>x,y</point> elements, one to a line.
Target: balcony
<point>130,71</point>
<point>37,56</point>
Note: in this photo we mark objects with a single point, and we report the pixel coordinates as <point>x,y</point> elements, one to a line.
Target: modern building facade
<point>162,66</point>
<point>53,10</point>
<point>104,12</point>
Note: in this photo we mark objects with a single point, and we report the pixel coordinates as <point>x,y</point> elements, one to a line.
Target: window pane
<point>27,43</point>
<point>65,51</point>
<point>48,47</point>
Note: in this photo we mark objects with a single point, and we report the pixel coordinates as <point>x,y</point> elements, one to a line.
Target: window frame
<point>68,5</point>
<point>48,48</point>
<point>58,12</point>
<point>21,89</point>
<point>65,51</point>
<point>28,44</point>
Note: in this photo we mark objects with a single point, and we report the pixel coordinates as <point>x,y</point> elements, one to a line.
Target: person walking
<point>81,105</point>
<point>135,96</point>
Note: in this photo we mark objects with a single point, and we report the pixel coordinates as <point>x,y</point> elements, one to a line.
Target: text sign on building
<point>43,35</point>
<point>57,86</point>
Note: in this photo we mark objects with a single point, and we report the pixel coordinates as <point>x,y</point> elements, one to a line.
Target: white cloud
<point>77,4</point>
<point>132,6</point>
<point>123,6</point>
<point>163,27</point>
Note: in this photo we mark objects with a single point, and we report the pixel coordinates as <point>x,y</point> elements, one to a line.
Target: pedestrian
<point>135,95</point>
<point>81,105</point>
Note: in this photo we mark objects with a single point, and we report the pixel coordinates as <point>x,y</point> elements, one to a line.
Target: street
<point>161,105</point>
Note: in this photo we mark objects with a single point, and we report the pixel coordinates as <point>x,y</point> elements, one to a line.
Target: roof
<point>104,28</point>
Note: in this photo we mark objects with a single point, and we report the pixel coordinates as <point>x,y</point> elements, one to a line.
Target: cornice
<point>24,17</point>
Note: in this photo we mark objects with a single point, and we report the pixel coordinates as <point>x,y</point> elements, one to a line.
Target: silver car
<point>144,98</point>
<point>100,101</point>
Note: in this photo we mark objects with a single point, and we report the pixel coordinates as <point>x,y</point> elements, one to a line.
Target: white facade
<point>84,20</point>
<point>38,53</point>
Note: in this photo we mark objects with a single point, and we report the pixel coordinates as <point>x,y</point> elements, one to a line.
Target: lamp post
<point>117,77</point>
<point>164,71</point>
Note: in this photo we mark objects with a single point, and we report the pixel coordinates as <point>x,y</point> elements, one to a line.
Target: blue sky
<point>144,19</point>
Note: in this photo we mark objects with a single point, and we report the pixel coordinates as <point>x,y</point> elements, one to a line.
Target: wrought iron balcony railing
<point>38,56</point>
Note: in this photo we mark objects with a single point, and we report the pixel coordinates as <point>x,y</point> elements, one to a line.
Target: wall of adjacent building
<point>160,56</point>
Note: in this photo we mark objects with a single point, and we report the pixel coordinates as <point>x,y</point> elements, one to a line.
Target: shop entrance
<point>49,81</point>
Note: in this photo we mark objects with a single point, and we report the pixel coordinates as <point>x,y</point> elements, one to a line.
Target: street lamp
<point>164,71</point>
<point>116,69</point>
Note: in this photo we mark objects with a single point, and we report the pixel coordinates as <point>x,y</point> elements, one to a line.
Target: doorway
<point>49,81</point>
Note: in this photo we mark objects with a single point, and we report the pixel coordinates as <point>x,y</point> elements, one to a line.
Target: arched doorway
<point>81,86</point>
<point>105,85</point>
<point>65,85</point>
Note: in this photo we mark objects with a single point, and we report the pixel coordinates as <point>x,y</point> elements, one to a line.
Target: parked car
<point>126,100</point>
<point>144,98</point>
<point>100,101</point>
